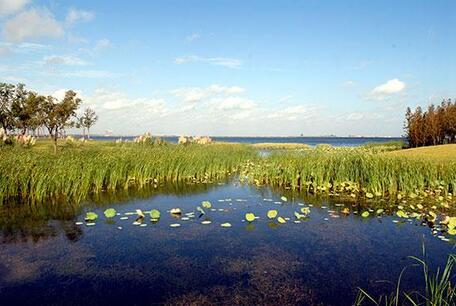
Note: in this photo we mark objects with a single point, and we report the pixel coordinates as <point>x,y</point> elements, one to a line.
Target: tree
<point>59,114</point>
<point>436,125</point>
<point>25,109</point>
<point>89,118</point>
<point>6,100</point>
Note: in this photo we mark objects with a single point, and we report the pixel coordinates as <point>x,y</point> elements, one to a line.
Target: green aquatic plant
<point>154,215</point>
<point>357,172</point>
<point>365,214</point>
<point>91,216</point>
<point>439,289</point>
<point>110,213</point>
<point>250,217</point>
<point>38,174</point>
<point>272,213</point>
<point>281,220</point>
<point>305,210</point>
<point>206,204</point>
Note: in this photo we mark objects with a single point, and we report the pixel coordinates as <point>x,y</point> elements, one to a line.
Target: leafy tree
<point>89,118</point>
<point>59,114</point>
<point>6,101</point>
<point>26,109</point>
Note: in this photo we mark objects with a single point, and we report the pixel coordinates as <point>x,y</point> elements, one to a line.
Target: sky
<point>235,68</point>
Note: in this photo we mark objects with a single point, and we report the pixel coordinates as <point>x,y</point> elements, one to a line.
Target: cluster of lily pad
<point>441,224</point>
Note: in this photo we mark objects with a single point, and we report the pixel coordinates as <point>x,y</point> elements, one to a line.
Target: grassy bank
<point>358,172</point>
<point>439,154</point>
<point>75,172</point>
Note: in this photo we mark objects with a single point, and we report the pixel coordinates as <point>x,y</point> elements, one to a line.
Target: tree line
<point>436,125</point>
<point>24,112</point>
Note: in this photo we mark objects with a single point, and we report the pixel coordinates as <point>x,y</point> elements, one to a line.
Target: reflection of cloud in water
<point>26,263</point>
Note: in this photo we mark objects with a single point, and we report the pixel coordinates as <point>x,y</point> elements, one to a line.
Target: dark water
<point>334,141</point>
<point>46,259</point>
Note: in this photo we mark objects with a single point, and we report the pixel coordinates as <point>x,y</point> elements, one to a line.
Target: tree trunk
<point>56,135</point>
<point>83,133</point>
<point>88,134</point>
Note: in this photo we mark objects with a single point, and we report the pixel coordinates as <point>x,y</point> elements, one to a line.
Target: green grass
<point>441,153</point>
<point>354,171</point>
<point>78,170</point>
<point>75,172</point>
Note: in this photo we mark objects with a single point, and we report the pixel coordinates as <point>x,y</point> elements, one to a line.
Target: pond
<point>48,257</point>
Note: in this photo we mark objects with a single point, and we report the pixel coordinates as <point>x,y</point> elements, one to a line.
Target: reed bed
<point>355,172</point>
<point>73,174</point>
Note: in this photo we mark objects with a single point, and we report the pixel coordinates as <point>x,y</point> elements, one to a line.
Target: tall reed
<point>37,175</point>
<point>358,171</point>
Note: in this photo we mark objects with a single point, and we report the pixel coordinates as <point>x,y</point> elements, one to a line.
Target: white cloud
<point>8,7</point>
<point>91,74</point>
<point>32,24</point>
<point>75,15</point>
<point>217,61</point>
<point>195,94</point>
<point>192,37</point>
<point>234,103</point>
<point>102,44</point>
<point>68,60</point>
<point>387,90</point>
<point>5,50</point>
<point>301,112</point>
<point>115,100</point>
<point>285,98</point>
<point>349,83</point>
<point>390,87</point>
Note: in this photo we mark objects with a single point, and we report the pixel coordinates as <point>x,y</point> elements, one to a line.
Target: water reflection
<point>45,258</point>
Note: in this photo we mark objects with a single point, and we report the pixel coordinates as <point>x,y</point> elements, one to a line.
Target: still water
<point>334,141</point>
<point>47,259</point>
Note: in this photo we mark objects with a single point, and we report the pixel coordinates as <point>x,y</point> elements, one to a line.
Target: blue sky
<point>255,68</point>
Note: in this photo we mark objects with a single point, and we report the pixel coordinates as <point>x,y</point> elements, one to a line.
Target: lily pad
<point>281,220</point>
<point>206,222</point>
<point>380,211</point>
<point>201,210</point>
<point>225,224</point>
<point>249,217</point>
<point>175,225</point>
<point>91,216</point>
<point>154,215</point>
<point>272,213</point>
<point>175,211</point>
<point>305,210</point>
<point>365,214</point>
<point>284,198</point>
<point>110,213</point>
<point>140,213</point>
<point>401,214</point>
<point>206,204</point>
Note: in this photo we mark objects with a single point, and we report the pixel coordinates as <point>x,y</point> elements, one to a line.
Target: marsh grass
<point>354,171</point>
<point>74,173</point>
